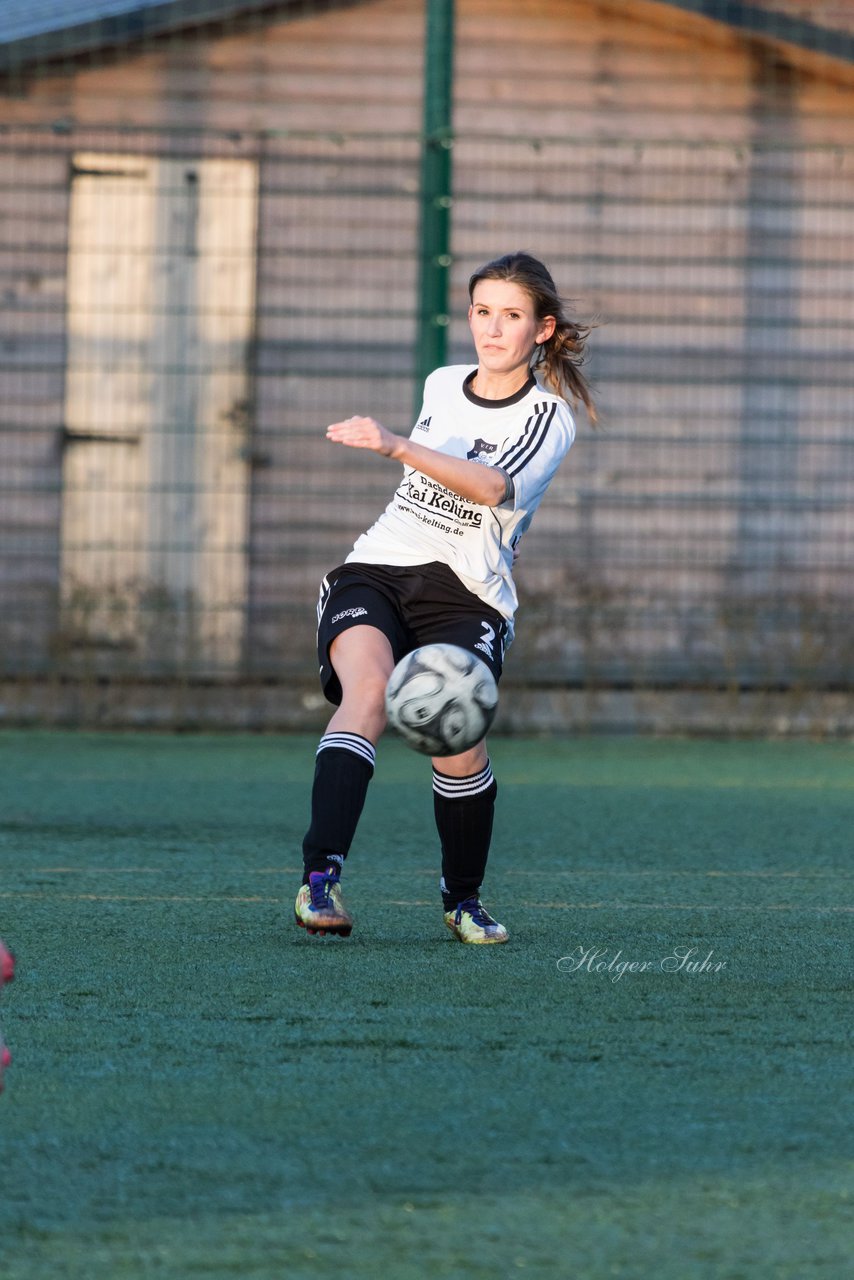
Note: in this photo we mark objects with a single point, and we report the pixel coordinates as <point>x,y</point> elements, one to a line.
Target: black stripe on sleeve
<point>530,442</point>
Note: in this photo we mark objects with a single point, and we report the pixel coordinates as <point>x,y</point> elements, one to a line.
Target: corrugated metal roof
<point>32,29</point>
<point>761,20</point>
<point>22,18</point>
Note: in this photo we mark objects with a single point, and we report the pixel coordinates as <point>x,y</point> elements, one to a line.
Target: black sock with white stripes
<point>342,771</point>
<point>464,809</point>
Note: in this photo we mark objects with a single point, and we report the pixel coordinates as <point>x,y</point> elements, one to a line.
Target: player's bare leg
<point>465,764</point>
<point>363,661</point>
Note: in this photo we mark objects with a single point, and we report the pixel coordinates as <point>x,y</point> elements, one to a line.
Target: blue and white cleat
<point>471,922</point>
<point>319,908</point>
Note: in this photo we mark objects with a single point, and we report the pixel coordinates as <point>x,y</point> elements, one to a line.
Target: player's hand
<point>364,433</point>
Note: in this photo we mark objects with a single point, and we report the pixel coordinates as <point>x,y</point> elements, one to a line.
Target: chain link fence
<point>185,310</point>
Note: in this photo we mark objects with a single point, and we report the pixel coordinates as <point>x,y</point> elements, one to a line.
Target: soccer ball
<point>441,699</point>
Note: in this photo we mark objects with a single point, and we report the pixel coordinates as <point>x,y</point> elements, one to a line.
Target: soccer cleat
<point>470,922</point>
<point>319,907</point>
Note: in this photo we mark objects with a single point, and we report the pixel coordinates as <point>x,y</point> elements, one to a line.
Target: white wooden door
<point>161,300</point>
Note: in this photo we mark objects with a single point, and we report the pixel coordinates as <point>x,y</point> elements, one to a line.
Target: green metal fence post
<point>435,210</point>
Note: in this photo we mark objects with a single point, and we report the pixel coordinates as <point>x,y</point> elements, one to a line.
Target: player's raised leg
<point>464,792</point>
<point>344,765</point>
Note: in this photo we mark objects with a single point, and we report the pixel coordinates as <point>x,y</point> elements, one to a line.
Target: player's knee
<point>367,691</point>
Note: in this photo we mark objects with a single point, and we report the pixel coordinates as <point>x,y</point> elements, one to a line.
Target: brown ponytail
<point>560,359</point>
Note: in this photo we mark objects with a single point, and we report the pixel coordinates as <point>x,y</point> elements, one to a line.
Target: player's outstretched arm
<point>484,485</point>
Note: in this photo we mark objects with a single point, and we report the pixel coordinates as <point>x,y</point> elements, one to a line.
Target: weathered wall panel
<point>692,188</point>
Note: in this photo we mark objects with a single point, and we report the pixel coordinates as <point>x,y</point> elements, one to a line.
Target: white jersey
<point>527,435</point>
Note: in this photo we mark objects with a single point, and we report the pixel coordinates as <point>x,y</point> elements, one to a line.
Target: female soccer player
<point>437,567</point>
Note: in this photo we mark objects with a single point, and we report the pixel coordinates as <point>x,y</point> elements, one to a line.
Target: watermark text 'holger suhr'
<point>612,964</point>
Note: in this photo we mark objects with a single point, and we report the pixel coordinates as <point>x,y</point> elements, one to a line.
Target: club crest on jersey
<point>482,449</point>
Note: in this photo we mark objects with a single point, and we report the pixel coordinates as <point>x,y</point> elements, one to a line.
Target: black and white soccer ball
<point>441,699</point>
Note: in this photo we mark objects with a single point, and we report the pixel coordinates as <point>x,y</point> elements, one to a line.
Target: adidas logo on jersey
<point>424,424</point>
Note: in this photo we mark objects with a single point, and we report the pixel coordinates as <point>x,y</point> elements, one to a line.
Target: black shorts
<point>423,604</point>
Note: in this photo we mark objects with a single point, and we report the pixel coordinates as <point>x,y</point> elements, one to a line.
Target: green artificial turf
<point>201,1090</point>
